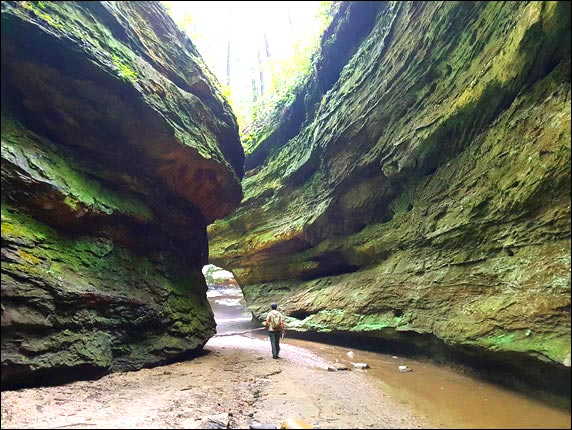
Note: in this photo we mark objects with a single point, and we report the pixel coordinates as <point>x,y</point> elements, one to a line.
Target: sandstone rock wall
<point>117,151</point>
<point>428,192</point>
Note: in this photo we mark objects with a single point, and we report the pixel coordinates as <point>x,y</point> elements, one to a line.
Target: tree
<point>255,77</point>
<point>266,45</point>
<point>254,91</point>
<point>260,72</point>
<point>228,64</point>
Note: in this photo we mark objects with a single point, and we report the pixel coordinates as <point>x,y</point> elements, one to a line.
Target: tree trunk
<point>254,91</point>
<point>266,45</point>
<point>228,64</point>
<point>261,72</point>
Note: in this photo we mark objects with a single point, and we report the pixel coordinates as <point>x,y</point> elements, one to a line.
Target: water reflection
<point>229,308</point>
<point>445,397</point>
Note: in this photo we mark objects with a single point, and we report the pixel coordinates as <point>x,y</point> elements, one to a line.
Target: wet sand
<point>235,382</point>
<point>446,397</point>
<point>442,396</point>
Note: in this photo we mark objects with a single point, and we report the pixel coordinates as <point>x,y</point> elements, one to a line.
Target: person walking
<point>275,324</point>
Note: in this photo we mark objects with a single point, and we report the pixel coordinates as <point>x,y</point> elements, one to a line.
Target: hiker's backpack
<point>275,321</point>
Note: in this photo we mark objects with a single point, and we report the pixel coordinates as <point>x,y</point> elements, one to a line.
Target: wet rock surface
<point>425,197</point>
<point>117,151</point>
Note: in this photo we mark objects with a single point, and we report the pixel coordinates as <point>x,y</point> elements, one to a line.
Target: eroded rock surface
<point>425,189</point>
<point>117,151</point>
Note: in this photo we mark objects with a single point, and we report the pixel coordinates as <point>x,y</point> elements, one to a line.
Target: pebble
<point>337,366</point>
<point>361,365</point>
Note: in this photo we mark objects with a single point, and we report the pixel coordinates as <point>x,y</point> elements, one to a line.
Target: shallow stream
<point>445,397</point>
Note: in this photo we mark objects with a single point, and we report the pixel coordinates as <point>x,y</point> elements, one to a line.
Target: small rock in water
<point>350,354</point>
<point>337,366</point>
<point>361,365</point>
<point>404,369</point>
<point>394,356</point>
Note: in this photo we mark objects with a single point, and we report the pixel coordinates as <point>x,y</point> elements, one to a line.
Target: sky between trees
<point>257,50</point>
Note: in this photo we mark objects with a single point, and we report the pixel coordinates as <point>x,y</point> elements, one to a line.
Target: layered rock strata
<point>117,151</point>
<point>425,192</point>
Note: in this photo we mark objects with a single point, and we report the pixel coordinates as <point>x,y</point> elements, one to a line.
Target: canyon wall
<point>418,187</point>
<point>117,151</point>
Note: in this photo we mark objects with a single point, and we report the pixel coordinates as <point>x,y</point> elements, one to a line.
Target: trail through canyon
<point>236,383</point>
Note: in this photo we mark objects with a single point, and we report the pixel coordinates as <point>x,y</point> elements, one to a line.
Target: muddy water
<point>445,397</point>
<point>448,398</point>
<point>229,308</point>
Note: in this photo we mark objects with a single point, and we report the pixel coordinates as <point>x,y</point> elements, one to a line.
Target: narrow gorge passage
<point>227,301</point>
<point>443,397</point>
<point>237,383</point>
<point>394,175</point>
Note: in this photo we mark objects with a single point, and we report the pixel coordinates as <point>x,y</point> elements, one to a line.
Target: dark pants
<point>275,342</point>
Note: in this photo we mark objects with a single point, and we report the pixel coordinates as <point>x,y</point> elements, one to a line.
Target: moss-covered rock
<point>71,302</point>
<point>117,151</point>
<point>352,21</point>
<point>429,193</point>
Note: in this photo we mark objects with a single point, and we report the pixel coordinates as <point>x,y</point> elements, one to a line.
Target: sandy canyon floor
<point>236,383</point>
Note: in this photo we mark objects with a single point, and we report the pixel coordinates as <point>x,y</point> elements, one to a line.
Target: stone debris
<point>404,369</point>
<point>219,421</point>
<point>361,366</point>
<point>258,426</point>
<point>337,366</point>
<point>295,423</point>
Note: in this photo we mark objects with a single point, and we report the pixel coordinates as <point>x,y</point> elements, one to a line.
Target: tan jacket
<point>269,316</point>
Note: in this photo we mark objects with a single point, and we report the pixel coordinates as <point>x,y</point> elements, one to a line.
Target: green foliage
<point>286,75</point>
<point>125,71</point>
<point>209,274</point>
<point>38,9</point>
<point>253,107</point>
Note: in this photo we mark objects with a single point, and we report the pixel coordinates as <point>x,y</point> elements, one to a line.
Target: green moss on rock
<point>94,293</point>
<point>429,194</point>
<point>117,150</point>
